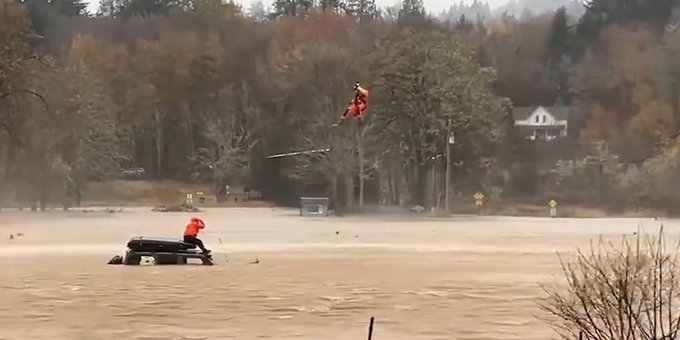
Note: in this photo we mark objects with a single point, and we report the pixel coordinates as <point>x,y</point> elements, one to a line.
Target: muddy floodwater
<point>317,278</point>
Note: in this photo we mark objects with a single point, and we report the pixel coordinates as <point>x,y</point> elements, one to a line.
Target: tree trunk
<point>418,183</point>
<point>159,143</point>
<point>361,173</point>
<point>421,185</point>
<point>9,159</point>
<point>675,106</point>
<point>334,195</point>
<point>188,127</point>
<point>41,192</point>
<point>394,181</point>
<point>409,179</point>
<point>433,181</point>
<point>349,192</point>
<point>396,193</point>
<point>390,194</point>
<point>79,196</point>
<point>338,194</point>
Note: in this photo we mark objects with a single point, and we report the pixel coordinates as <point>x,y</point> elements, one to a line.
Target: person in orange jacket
<point>357,106</point>
<point>191,231</point>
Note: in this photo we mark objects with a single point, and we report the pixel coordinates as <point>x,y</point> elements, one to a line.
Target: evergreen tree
<point>43,12</point>
<point>291,7</point>
<point>412,8</point>
<point>463,24</point>
<point>363,9</point>
<point>559,43</point>
<point>601,13</point>
<point>326,5</point>
<point>137,8</point>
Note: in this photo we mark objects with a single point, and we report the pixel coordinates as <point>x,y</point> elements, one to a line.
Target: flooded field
<point>317,278</point>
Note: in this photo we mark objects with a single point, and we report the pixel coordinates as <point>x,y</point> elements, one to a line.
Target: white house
<point>542,123</point>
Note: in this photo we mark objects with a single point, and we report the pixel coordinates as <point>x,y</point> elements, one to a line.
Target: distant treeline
<point>200,90</point>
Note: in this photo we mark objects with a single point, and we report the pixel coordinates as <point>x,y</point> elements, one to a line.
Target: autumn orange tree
<point>617,86</point>
<point>314,63</point>
<point>17,62</point>
<point>58,136</point>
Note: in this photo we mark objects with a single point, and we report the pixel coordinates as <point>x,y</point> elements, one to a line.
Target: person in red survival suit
<point>357,106</point>
<point>191,231</point>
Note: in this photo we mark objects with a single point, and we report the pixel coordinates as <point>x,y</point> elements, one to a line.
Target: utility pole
<point>450,140</point>
<point>434,185</point>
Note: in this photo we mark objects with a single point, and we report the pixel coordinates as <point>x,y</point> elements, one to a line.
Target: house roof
<point>524,112</point>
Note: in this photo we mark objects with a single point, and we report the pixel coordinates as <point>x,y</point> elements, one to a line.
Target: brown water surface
<point>461,278</point>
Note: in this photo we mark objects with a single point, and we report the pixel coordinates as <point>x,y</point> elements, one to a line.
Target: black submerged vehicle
<point>163,251</point>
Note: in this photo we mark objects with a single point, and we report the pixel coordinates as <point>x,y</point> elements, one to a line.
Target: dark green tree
<point>463,24</point>
<point>363,9</point>
<point>426,84</point>
<point>327,5</point>
<point>291,7</point>
<point>42,13</point>
<point>411,8</point>
<point>601,13</point>
<point>138,8</point>
<point>558,50</point>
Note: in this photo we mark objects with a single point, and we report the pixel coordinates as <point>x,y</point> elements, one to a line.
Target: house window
<point>537,118</point>
<point>543,118</point>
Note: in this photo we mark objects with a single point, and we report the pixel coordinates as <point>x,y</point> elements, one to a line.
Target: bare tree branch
<point>42,99</point>
<point>618,292</point>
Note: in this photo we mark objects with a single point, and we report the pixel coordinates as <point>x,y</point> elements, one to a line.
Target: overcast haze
<point>433,6</point>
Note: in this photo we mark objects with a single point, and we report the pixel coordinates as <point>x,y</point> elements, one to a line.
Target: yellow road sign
<point>478,199</point>
<point>552,203</point>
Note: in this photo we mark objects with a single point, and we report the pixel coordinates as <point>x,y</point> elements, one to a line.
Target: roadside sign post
<point>553,208</point>
<point>479,202</point>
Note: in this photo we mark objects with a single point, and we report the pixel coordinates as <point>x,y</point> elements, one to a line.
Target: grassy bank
<point>165,192</point>
<point>563,210</point>
<point>120,193</point>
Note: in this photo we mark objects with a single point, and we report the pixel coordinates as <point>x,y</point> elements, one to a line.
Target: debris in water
<point>20,234</point>
<point>257,260</point>
<point>116,260</point>
<point>337,232</point>
<point>11,237</point>
<point>184,207</point>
